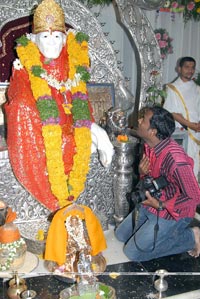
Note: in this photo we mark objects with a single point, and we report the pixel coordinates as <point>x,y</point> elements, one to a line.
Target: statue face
<point>50,44</point>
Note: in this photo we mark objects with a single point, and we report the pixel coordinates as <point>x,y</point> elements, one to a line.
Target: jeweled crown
<point>48,16</point>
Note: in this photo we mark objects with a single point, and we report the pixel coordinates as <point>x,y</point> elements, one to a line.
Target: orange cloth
<point>11,216</point>
<point>56,244</point>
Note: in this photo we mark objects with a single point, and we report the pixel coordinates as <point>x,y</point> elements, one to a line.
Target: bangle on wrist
<point>160,207</point>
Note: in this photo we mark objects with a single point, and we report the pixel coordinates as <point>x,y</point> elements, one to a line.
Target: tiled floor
<point>183,272</point>
<point>114,254</point>
<point>133,280</point>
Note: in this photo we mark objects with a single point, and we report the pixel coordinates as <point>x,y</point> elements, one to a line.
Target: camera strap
<point>135,219</point>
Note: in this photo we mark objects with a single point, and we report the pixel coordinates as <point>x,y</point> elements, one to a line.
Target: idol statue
<point>51,132</point>
<point>74,234</point>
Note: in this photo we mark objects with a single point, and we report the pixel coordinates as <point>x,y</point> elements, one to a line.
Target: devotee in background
<point>51,131</point>
<point>162,219</point>
<point>183,101</point>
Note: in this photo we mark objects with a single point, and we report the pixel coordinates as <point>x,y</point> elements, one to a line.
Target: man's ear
<point>153,132</point>
<point>179,69</point>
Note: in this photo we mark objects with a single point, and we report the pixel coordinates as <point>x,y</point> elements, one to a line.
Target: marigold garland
<point>78,55</point>
<point>53,142</point>
<point>62,185</point>
<point>81,161</point>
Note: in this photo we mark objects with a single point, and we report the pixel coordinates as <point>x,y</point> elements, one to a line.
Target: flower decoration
<point>40,235</point>
<point>67,170</point>
<point>122,138</point>
<point>11,249</point>
<point>164,42</point>
<point>190,9</point>
<point>17,64</point>
<point>155,94</point>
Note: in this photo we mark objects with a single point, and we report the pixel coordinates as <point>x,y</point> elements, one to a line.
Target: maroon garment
<point>182,194</point>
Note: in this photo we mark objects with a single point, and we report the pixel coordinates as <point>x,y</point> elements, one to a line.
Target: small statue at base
<point>75,236</point>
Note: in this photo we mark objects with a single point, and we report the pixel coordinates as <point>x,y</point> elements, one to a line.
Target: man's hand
<point>144,165</point>
<point>184,122</point>
<point>151,201</point>
<point>195,127</point>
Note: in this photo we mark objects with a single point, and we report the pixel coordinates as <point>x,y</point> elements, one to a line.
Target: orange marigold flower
<point>122,138</point>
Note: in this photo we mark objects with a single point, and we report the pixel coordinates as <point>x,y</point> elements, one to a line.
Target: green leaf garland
<point>80,37</point>
<point>47,108</point>
<point>85,75</point>
<point>80,110</point>
<point>22,40</point>
<point>37,70</point>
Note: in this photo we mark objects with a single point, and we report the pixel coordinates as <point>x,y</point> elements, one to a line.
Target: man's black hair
<point>186,59</point>
<point>163,121</point>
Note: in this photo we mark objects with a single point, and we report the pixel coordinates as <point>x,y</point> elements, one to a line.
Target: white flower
<point>11,247</point>
<point>17,64</point>
<point>72,31</point>
<point>167,4</point>
<point>29,36</point>
<point>58,84</point>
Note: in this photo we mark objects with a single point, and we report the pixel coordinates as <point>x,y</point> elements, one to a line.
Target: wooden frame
<point>101,97</point>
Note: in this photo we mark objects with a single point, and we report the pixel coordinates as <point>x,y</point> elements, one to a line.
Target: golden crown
<point>48,16</point>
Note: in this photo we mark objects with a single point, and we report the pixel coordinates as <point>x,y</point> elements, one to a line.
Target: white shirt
<point>190,92</point>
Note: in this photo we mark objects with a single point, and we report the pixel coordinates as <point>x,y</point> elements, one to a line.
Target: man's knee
<point>132,253</point>
<point>119,235</point>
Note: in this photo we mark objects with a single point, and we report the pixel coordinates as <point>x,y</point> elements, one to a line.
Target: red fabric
<point>68,147</point>
<point>25,141</point>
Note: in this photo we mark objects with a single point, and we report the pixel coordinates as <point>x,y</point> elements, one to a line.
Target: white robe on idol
<point>191,95</point>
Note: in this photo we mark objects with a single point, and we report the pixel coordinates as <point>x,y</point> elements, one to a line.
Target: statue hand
<point>101,142</point>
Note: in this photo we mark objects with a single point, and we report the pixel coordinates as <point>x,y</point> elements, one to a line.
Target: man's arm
<point>172,104</point>
<point>189,191</point>
<point>186,123</point>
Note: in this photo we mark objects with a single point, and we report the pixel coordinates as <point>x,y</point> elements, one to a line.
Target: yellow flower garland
<point>61,185</point>
<point>53,142</point>
<point>78,55</point>
<point>37,84</point>
<point>81,161</point>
